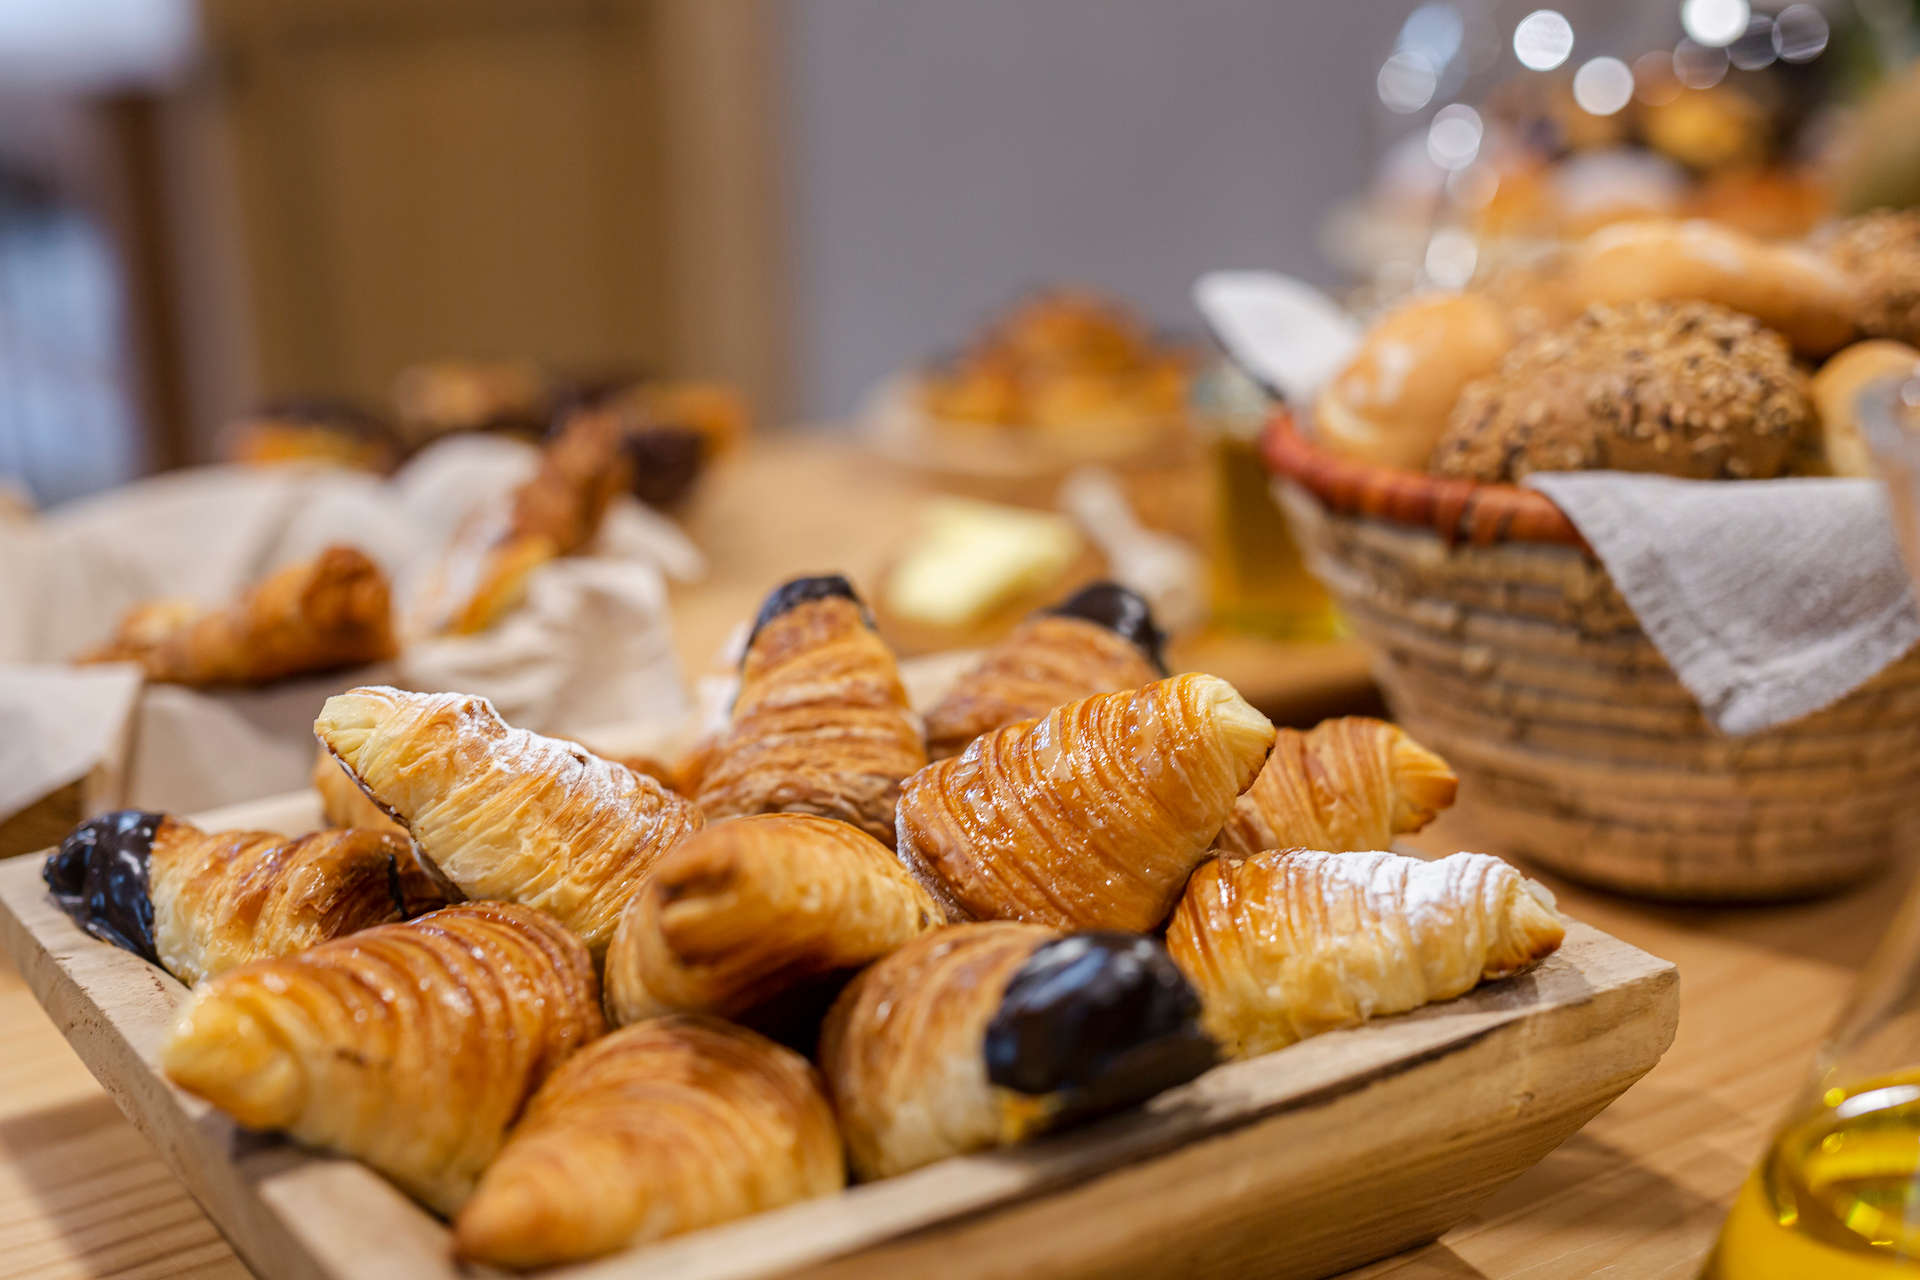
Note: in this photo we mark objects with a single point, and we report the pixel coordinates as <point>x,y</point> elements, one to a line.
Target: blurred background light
<point>1654,82</point>
<point>1452,255</point>
<point>1753,51</point>
<point>1543,40</point>
<point>1715,23</point>
<point>1697,66</point>
<point>1800,33</point>
<point>1602,86</point>
<point>1407,81</point>
<point>1453,139</point>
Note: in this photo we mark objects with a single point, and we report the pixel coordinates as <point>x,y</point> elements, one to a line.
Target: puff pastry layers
<point>1100,640</point>
<point>982,1035</point>
<point>506,814</point>
<point>1348,784</point>
<point>748,908</point>
<point>821,723</point>
<point>655,1130</point>
<point>409,1046</point>
<point>1090,817</point>
<point>200,903</point>
<point>332,611</point>
<point>1287,944</point>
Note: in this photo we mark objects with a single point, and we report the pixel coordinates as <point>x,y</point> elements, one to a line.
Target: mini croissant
<point>410,1046</point>
<point>1347,784</point>
<point>1101,639</point>
<point>1091,817</point>
<point>983,1035</point>
<point>200,903</point>
<point>504,813</point>
<point>659,1129</point>
<point>821,723</point>
<point>1287,944</point>
<point>748,908</point>
<point>331,611</point>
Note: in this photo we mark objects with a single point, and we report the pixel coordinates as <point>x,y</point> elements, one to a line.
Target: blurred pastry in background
<point>670,432</point>
<point>332,611</point>
<point>973,570</point>
<point>315,429</point>
<point>447,396</point>
<point>1390,404</point>
<point>1062,362</point>
<point>1836,392</point>
<point>1880,252</point>
<point>1685,389</point>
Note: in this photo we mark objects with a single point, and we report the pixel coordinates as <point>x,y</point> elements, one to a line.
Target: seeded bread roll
<point>1683,389</point>
<point>1881,251</point>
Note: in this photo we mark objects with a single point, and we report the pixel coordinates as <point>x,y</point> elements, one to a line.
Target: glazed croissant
<point>410,1046</point>
<point>659,1129</point>
<point>1091,817</point>
<point>555,513</point>
<point>1346,784</point>
<point>200,903</point>
<point>1101,639</point>
<point>983,1035</point>
<point>507,814</point>
<point>331,611</point>
<point>746,909</point>
<point>1287,944</point>
<point>821,722</point>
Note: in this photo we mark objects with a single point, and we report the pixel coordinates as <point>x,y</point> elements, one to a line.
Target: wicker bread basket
<point>1501,642</point>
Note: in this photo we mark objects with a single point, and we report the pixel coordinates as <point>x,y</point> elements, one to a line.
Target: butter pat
<point>971,558</point>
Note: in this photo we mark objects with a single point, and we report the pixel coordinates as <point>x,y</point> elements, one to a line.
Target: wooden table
<point>1638,1193</point>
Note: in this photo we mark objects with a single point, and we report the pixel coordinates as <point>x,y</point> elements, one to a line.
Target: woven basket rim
<point>1455,509</point>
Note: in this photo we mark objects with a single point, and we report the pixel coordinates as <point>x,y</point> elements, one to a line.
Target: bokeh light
<point>1603,85</point>
<point>1453,139</point>
<point>1715,23</point>
<point>1800,33</point>
<point>1407,81</point>
<point>1543,40</point>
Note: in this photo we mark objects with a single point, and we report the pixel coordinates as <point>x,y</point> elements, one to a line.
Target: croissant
<point>331,611</point>
<point>748,908</point>
<point>507,814</point>
<point>1101,639</point>
<point>555,513</point>
<point>200,903</point>
<point>409,1046</point>
<point>1090,818</point>
<point>343,803</point>
<point>983,1035</point>
<point>821,722</point>
<point>1346,784</point>
<point>655,1130</point>
<point>1286,944</point>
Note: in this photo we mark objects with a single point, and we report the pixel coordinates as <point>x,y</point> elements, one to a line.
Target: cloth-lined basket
<point>1500,642</point>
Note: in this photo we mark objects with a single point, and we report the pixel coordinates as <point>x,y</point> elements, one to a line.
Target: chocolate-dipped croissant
<point>331,611</point>
<point>983,1035</point>
<point>1101,639</point>
<point>199,903</point>
<point>655,1130</point>
<point>821,722</point>
<point>1346,784</point>
<point>507,814</point>
<point>410,1046</point>
<point>1091,817</point>
<point>746,909</point>
<point>1287,944</point>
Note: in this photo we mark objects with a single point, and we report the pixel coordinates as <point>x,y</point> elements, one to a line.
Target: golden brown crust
<point>1348,784</point>
<point>1287,944</point>
<point>902,1050</point>
<point>746,909</point>
<point>224,899</point>
<point>343,803</point>
<point>1880,252</point>
<point>820,725</point>
<point>656,1130</point>
<point>1836,392</point>
<point>1046,662</point>
<point>409,1046</point>
<point>332,611</point>
<point>508,814</point>
<point>1684,389</point>
<point>1091,817</point>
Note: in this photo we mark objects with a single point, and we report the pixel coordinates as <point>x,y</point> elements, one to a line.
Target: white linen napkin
<point>1769,598</point>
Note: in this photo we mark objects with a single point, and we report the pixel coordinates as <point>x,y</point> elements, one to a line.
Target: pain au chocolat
<point>1090,817</point>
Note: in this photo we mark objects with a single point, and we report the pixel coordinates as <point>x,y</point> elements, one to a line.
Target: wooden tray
<point>1332,1153</point>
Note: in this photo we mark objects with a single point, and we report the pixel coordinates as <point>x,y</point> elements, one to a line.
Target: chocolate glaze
<point>98,875</point>
<point>1122,612</point>
<point>1102,1019</point>
<point>798,591</point>
<point>666,460</point>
